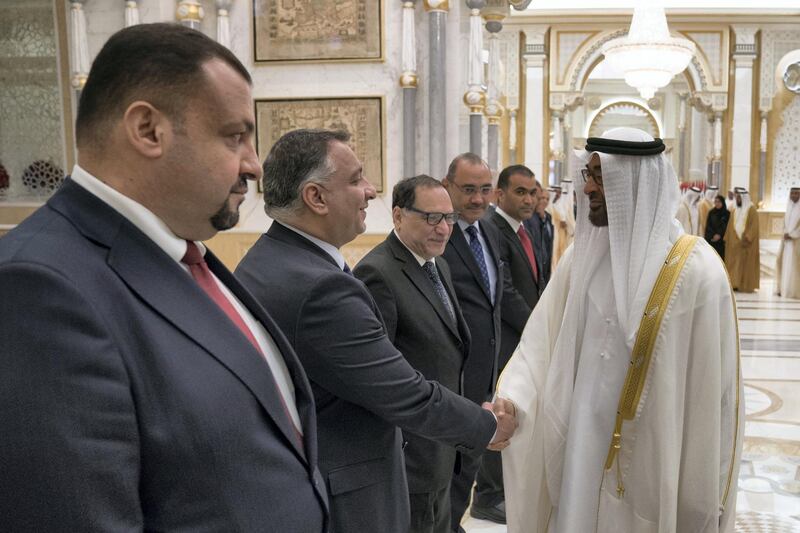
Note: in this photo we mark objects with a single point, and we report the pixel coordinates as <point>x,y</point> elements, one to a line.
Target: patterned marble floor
<point>769,478</point>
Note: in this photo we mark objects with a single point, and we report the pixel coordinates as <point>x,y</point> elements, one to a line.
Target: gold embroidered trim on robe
<point>645,341</point>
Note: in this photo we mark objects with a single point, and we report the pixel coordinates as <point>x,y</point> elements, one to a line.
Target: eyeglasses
<point>433,219</point>
<point>586,173</point>
<point>470,190</point>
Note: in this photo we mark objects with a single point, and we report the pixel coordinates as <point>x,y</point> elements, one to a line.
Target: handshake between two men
<point>505,412</point>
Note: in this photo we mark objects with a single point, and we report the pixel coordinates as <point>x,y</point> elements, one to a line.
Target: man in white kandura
<point>638,320</point>
<point>788,265</point>
<point>688,214</point>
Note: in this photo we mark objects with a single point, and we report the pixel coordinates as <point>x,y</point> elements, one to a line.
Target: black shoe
<point>495,513</point>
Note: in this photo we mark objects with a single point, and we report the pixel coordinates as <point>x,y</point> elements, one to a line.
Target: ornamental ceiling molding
<point>586,56</point>
<point>775,44</point>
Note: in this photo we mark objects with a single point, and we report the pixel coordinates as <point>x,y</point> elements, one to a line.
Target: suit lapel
<point>461,246</point>
<point>302,389</point>
<point>419,278</point>
<point>512,237</point>
<point>165,287</point>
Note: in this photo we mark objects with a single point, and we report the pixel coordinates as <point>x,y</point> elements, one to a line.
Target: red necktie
<point>527,245</point>
<point>203,276</point>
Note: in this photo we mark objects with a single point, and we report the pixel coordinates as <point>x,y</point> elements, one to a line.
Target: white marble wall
<point>104,17</point>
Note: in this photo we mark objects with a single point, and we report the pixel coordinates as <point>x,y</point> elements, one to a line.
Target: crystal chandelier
<point>648,55</point>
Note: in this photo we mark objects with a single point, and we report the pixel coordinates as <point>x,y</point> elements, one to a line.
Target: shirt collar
<point>513,222</point>
<point>419,258</point>
<point>463,224</point>
<point>137,214</point>
<point>330,249</point>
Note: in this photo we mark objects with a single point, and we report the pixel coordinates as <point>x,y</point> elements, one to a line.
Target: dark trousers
<point>430,511</point>
<point>489,481</point>
<point>461,486</point>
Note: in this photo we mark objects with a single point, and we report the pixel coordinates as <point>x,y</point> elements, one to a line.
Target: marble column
<point>437,84</point>
<point>710,150</point>
<point>409,81</point>
<point>79,45</point>
<point>131,13</point>
<point>556,147</point>
<point>682,141</point>
<point>762,159</point>
<point>475,98</point>
<point>512,136</point>
<point>224,22</point>
<point>716,167</point>
<point>743,55</point>
<point>494,109</point>
<point>190,13</point>
<point>535,63</point>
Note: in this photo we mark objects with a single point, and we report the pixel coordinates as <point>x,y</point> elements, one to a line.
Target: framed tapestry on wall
<point>317,30</point>
<point>362,117</point>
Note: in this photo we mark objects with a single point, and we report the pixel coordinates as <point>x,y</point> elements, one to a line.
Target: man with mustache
<point>411,285</point>
<point>143,388</point>
<point>364,387</point>
<point>742,251</point>
<point>627,381</point>
<point>482,286</point>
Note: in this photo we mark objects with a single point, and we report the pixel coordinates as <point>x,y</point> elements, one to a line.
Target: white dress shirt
<point>513,222</point>
<point>327,247</point>
<point>175,247</point>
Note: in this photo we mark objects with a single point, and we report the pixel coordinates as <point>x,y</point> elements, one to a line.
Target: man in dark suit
<point>142,386</point>
<point>364,388</point>
<point>481,282</point>
<point>540,226</point>
<point>517,197</point>
<point>423,319</point>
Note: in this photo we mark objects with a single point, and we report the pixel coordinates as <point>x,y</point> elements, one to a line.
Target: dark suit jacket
<point>419,325</point>
<point>513,255</point>
<point>481,313</point>
<point>130,401</point>
<point>363,386</point>
<point>543,245</point>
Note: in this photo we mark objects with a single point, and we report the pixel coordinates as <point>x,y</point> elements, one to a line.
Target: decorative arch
<point>590,54</point>
<point>627,106</point>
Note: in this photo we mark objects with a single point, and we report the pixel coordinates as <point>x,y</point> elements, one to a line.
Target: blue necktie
<point>433,274</point>
<point>347,270</point>
<point>477,252</point>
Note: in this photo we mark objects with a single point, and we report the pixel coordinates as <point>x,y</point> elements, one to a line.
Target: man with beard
<point>788,266</point>
<point>143,389</point>
<point>742,253</point>
<point>626,381</point>
<point>704,206</point>
<point>688,214</point>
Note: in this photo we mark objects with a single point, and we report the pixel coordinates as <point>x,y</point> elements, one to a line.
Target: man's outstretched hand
<point>505,411</point>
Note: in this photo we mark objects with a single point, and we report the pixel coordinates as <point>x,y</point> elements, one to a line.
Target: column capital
<point>745,42</point>
<point>535,34</point>
<point>189,13</point>
<point>437,5</point>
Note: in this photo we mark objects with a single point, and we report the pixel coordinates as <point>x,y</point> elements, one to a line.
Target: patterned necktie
<point>527,245</point>
<point>438,286</point>
<point>203,276</point>
<point>477,252</point>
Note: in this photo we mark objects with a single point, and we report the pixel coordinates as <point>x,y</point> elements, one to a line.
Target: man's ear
<point>397,216</point>
<point>146,129</point>
<point>313,195</point>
